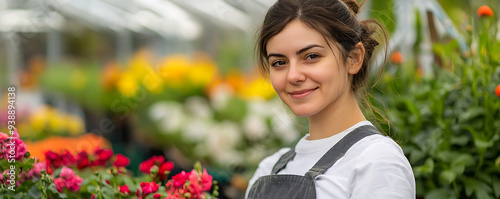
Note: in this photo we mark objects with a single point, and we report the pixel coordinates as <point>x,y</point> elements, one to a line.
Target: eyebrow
<point>298,52</point>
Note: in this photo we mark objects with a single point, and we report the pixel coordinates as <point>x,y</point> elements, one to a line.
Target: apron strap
<point>339,149</point>
<point>285,158</point>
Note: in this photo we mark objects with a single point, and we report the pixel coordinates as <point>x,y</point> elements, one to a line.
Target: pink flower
<point>157,196</point>
<point>74,183</point>
<point>68,179</point>
<point>124,189</point>
<point>67,173</point>
<point>93,196</point>
<point>36,171</point>
<point>60,184</point>
<point>121,161</point>
<point>206,180</point>
<point>13,144</point>
<point>195,187</point>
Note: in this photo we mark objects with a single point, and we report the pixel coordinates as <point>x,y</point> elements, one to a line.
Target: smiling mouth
<point>301,93</point>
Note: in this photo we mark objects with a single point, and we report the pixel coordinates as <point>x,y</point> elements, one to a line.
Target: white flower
<point>199,107</point>
<point>221,95</point>
<point>169,115</point>
<point>255,127</point>
<point>283,125</point>
<point>221,140</point>
<point>196,130</point>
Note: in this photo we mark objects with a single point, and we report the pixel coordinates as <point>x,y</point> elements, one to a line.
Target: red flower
<point>157,196</point>
<point>124,189</point>
<point>82,160</point>
<point>93,196</point>
<point>396,58</point>
<point>180,179</point>
<point>52,161</point>
<point>484,11</point>
<point>67,158</point>
<point>497,90</point>
<point>103,155</point>
<point>147,164</point>
<point>146,189</point>
<point>167,166</point>
<point>121,161</point>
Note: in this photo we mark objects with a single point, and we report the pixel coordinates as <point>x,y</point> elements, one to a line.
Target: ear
<point>355,59</point>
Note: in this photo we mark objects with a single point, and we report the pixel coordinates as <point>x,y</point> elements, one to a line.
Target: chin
<point>302,111</point>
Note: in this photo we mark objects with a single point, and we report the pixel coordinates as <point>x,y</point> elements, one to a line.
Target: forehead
<point>294,36</point>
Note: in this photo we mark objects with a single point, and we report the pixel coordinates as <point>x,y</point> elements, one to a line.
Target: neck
<point>335,118</point>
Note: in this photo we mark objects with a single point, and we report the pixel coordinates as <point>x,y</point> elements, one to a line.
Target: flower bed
<point>99,174</point>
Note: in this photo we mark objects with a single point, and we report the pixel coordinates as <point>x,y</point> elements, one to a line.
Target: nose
<point>295,73</point>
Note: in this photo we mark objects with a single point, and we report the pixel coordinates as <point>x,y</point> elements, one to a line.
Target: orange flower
<point>396,58</point>
<point>497,90</point>
<point>484,11</point>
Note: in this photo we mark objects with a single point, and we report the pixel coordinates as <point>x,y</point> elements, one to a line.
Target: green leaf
<point>427,168</point>
<point>441,193</point>
<point>447,176</point>
<point>480,188</point>
<point>496,186</point>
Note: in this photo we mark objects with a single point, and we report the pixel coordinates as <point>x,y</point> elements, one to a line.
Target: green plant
<point>448,120</point>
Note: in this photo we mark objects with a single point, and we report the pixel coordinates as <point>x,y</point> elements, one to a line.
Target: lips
<point>301,93</point>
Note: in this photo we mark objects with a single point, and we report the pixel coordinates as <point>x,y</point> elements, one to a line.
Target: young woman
<point>316,55</point>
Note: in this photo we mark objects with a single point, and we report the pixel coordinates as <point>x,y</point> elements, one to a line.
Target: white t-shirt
<point>374,167</point>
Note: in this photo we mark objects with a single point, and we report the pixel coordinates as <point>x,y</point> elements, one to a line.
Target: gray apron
<point>294,186</point>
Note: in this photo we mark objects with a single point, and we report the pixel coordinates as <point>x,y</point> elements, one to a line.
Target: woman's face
<point>307,75</point>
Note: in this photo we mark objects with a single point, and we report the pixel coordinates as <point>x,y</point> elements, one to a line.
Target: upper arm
<point>382,171</point>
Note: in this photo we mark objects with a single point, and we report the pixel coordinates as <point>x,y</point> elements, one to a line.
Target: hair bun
<point>352,4</point>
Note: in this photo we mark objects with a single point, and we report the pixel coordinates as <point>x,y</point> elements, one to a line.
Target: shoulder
<point>378,147</point>
<point>382,170</point>
<point>266,166</point>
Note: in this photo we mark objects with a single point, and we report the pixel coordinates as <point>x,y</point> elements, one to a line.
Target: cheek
<point>277,81</point>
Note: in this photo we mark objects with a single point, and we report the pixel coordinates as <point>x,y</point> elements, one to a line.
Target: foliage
<point>448,120</point>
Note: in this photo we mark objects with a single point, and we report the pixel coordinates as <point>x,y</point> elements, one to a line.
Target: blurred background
<point>179,79</point>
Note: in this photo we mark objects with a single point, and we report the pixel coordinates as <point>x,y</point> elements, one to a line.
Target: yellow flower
<point>139,64</point>
<point>173,70</point>
<point>152,81</point>
<point>74,124</point>
<point>257,88</point>
<point>37,120</point>
<point>127,84</point>
<point>203,71</point>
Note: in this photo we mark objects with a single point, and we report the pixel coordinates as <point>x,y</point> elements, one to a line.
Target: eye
<point>312,56</point>
<point>278,63</point>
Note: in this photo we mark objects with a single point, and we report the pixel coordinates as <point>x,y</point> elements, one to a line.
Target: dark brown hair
<point>334,19</point>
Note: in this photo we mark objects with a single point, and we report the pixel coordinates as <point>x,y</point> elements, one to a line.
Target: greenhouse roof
<point>184,19</point>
